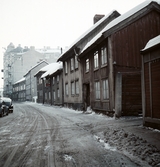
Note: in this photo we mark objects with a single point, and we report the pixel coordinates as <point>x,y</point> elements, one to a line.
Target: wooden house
<point>19,90</point>
<point>53,85</point>
<point>111,61</point>
<point>31,86</point>
<point>50,84</point>
<point>151,83</point>
<point>39,83</point>
<point>72,75</point>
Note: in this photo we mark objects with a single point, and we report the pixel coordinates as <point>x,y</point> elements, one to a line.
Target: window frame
<point>72,88</point>
<point>66,67</point>
<point>58,93</point>
<point>87,65</point>
<point>96,61</point>
<point>103,55</point>
<point>77,87</point>
<point>76,62</point>
<point>97,90</point>
<point>72,64</point>
<point>105,86</point>
<point>66,89</point>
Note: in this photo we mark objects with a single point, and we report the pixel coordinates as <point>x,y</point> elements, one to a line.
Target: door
<point>86,88</point>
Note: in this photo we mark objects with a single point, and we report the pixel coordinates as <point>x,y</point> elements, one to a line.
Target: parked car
<point>8,103</point>
<point>3,108</point>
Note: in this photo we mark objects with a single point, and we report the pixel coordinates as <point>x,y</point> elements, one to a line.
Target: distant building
<point>18,61</point>
<point>31,86</point>
<point>50,54</point>
<point>19,90</point>
<point>50,84</point>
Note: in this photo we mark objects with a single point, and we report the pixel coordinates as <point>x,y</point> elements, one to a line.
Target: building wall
<point>76,101</point>
<point>72,100</point>
<point>19,91</point>
<point>31,84</point>
<point>39,88</point>
<point>93,75</point>
<point>16,65</point>
<point>128,41</point>
<point>57,92</point>
<point>151,88</point>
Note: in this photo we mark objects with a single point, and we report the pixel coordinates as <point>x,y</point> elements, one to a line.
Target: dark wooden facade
<point>19,90</point>
<point>151,85</point>
<point>123,41</point>
<point>92,75</point>
<point>50,87</point>
<point>39,87</point>
<point>56,88</point>
<point>73,99</point>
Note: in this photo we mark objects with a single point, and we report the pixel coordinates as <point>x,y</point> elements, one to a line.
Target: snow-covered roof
<point>88,31</point>
<point>153,42</point>
<point>36,66</point>
<point>21,80</point>
<point>52,69</point>
<point>119,20</point>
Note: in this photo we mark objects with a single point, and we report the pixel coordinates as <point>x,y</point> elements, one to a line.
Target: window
<point>58,93</point>
<point>40,81</point>
<point>66,89</point>
<point>72,88</point>
<point>72,64</point>
<point>103,55</point>
<point>54,95</point>
<point>49,95</point>
<point>105,89</point>
<point>66,67</point>
<point>76,62</point>
<point>96,59</point>
<point>53,80</point>
<point>87,65</point>
<point>97,90</point>
<point>77,87</point>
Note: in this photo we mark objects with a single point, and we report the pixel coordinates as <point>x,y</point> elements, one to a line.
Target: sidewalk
<point>152,136</point>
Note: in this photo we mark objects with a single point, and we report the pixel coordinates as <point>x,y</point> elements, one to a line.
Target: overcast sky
<point>51,23</point>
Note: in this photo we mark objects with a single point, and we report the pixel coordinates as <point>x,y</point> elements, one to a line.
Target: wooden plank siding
<point>131,94</point>
<point>147,90</point>
<point>155,86</point>
<point>128,41</point>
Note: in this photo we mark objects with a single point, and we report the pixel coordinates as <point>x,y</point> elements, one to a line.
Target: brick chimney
<point>97,17</point>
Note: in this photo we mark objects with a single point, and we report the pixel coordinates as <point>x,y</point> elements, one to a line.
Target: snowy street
<point>36,135</point>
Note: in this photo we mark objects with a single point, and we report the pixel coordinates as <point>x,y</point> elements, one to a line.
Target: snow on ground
<point>115,137</point>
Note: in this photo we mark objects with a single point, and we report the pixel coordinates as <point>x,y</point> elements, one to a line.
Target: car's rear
<point>8,103</point>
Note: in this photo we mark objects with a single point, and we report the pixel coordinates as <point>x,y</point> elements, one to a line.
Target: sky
<point>54,23</point>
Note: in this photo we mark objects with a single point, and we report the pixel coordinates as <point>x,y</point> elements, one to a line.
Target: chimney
<point>97,17</point>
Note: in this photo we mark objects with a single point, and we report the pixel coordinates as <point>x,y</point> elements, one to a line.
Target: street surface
<point>36,135</point>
